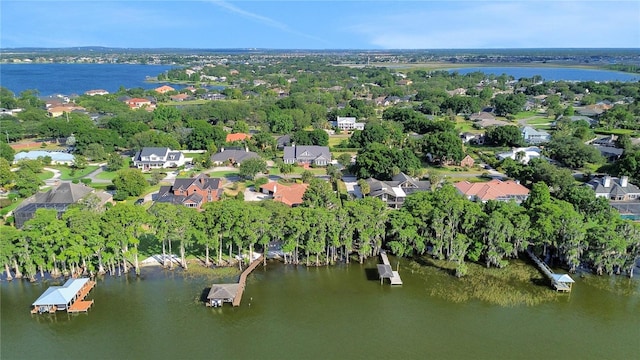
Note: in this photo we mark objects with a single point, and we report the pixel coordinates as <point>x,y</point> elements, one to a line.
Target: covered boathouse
<point>69,297</point>
<point>221,293</point>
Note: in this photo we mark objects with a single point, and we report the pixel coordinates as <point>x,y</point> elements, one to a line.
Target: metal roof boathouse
<point>69,297</point>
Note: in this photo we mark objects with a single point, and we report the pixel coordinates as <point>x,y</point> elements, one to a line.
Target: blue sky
<point>309,24</point>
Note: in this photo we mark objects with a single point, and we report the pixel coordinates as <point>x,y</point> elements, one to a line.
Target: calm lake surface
<point>552,73</point>
<point>339,312</point>
<point>68,79</point>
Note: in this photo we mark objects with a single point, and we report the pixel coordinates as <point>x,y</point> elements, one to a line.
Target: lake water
<point>339,312</point>
<point>552,73</point>
<point>68,79</point>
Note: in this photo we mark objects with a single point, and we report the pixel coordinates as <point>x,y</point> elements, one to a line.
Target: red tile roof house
<point>237,137</point>
<point>164,89</point>
<point>139,103</point>
<point>193,192</point>
<point>290,195</point>
<point>493,190</point>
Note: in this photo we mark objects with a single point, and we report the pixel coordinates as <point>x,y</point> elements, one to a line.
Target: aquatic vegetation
<point>517,284</point>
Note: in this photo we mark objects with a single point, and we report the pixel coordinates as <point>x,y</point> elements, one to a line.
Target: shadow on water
<point>372,274</point>
<point>204,294</point>
<point>422,261</point>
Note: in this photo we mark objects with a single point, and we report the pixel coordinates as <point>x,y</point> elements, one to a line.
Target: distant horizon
<point>321,25</point>
<point>88,47</point>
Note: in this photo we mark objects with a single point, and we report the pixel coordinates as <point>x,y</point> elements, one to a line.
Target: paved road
<point>93,174</point>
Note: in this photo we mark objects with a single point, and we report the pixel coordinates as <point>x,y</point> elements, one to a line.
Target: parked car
<point>139,202</point>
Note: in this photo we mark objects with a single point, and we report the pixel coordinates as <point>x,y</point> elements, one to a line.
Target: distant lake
<point>552,73</point>
<point>67,79</point>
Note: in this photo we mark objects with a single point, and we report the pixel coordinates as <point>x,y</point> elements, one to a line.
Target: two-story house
<point>394,192</point>
<point>193,192</point>
<point>347,123</point>
<point>157,158</point>
<point>622,195</point>
<point>306,155</point>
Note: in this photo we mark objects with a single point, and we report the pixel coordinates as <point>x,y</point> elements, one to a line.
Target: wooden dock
<point>560,282</point>
<point>82,305</point>
<point>386,271</point>
<point>243,280</point>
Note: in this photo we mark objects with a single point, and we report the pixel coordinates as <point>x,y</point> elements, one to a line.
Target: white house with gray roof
<point>347,123</point>
<point>533,136</point>
<point>615,189</point>
<point>307,155</point>
<point>158,158</point>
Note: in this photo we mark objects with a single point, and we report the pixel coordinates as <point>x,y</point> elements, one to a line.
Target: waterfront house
<point>307,155</point>
<point>158,158</point>
<point>622,195</point>
<point>533,136</point>
<point>164,89</point>
<point>493,190</point>
<point>395,191</point>
<point>615,189</point>
<point>290,195</point>
<point>59,198</point>
<point>191,192</point>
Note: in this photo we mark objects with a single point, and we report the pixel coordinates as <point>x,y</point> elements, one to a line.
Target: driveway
<point>351,182</point>
<point>250,195</point>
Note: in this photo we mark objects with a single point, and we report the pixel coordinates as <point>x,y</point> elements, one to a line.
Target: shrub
<point>86,181</point>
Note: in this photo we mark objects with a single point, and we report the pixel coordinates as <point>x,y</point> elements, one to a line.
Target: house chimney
<point>606,182</point>
<point>624,181</point>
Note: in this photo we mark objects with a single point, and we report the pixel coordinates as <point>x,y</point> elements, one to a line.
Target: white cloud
<point>263,20</point>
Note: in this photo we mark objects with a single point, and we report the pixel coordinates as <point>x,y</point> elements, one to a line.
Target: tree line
<point>441,223</point>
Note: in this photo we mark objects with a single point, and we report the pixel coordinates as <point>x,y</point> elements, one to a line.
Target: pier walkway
<point>560,282</point>
<point>243,280</point>
<point>386,271</point>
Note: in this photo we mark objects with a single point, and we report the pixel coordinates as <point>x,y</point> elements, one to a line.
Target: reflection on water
<point>319,313</point>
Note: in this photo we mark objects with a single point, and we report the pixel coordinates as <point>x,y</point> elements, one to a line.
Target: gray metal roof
<point>385,271</point>
<point>223,291</point>
<point>61,295</point>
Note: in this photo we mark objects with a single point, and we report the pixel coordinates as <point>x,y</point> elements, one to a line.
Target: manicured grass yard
<point>78,174</point>
<point>45,175</point>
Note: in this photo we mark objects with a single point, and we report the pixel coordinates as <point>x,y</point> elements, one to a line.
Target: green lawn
<point>539,121</point>
<point>45,175</point>
<point>78,174</point>
<point>528,114</point>
<point>223,173</point>
<point>335,140</point>
<point>107,175</point>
